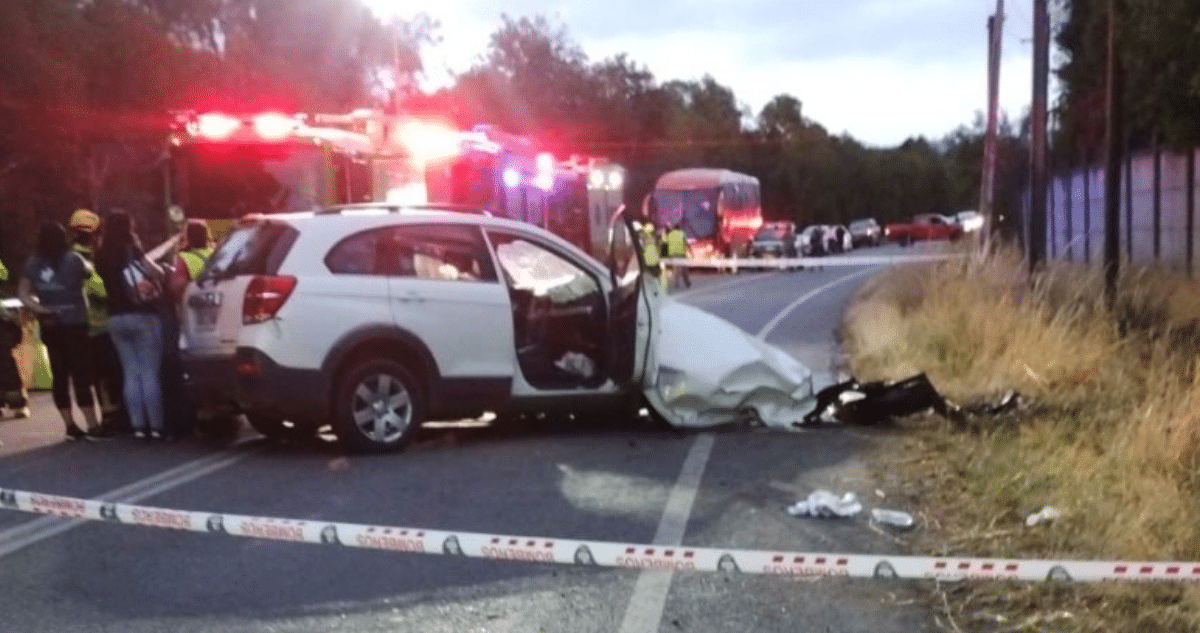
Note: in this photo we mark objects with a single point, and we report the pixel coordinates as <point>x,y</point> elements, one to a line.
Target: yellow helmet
<point>84,220</point>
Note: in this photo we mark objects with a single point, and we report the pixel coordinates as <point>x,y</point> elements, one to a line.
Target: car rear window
<point>256,249</point>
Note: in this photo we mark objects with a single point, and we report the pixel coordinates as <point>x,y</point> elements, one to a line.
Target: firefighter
<point>12,389</point>
<point>107,374</point>
<point>676,241</point>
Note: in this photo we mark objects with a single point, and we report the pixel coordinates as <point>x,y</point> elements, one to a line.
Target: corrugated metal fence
<point>1158,216</point>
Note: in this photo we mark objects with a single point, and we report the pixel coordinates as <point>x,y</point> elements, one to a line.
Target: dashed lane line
<point>21,536</point>
<point>650,592</point>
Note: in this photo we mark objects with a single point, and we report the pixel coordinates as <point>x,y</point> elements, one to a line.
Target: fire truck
<point>225,166</point>
<point>510,176</point>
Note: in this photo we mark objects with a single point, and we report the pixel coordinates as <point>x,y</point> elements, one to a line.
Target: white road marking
<point>766,329</point>
<point>724,284</point>
<point>650,592</point>
<point>19,537</point>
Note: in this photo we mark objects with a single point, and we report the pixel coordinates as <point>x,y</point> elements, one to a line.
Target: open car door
<point>633,304</point>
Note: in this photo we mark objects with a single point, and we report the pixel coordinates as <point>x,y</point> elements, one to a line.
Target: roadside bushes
<point>1112,438</point>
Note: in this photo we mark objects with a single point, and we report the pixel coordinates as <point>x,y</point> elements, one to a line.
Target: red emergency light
<point>215,126</point>
<point>429,141</point>
<point>268,127</point>
<point>273,126</point>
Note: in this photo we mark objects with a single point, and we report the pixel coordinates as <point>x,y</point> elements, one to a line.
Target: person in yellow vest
<point>195,251</point>
<point>677,249</point>
<point>108,379</point>
<point>650,249</point>
<point>12,388</point>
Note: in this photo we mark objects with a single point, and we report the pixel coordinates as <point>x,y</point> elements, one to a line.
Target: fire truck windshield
<point>221,181</point>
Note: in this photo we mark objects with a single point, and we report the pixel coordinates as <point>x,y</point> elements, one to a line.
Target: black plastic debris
<point>872,403</point>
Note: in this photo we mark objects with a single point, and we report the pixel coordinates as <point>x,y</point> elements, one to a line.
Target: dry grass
<point>1113,441</point>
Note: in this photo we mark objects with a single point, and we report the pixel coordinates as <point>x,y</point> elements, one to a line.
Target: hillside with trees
<point>86,88</point>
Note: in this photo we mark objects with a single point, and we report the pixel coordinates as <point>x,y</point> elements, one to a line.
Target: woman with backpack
<point>135,286</point>
<point>52,287</point>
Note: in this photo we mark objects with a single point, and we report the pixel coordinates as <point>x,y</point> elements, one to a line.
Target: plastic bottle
<point>893,518</point>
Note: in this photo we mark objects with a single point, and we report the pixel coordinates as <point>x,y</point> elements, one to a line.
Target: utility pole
<point>1037,163</point>
<point>1114,139</point>
<point>987,186</point>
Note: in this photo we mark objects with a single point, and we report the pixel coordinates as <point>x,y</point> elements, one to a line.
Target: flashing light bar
<point>215,126</point>
<point>429,141</point>
<point>268,126</point>
<point>273,126</point>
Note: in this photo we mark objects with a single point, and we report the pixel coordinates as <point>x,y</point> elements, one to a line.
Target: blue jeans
<point>138,338</point>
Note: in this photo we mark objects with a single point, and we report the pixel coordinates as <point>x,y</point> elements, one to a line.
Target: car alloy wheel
<point>378,407</point>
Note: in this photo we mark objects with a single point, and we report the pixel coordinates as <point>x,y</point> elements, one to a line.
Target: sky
<point>879,70</point>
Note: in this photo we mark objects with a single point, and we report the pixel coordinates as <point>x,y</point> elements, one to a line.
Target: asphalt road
<point>614,481</point>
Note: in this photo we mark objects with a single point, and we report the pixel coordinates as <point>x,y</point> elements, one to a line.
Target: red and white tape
<point>538,549</point>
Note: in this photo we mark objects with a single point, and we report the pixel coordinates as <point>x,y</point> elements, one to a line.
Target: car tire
<point>279,429</point>
<point>378,406</point>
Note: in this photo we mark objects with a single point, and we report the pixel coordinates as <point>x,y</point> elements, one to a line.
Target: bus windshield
<point>218,182</point>
<point>694,210</point>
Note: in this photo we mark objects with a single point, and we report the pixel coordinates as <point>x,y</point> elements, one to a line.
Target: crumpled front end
<point>706,372</point>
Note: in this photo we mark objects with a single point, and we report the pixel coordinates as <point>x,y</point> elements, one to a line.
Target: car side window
<point>357,254</point>
<point>440,252</point>
<point>531,268</point>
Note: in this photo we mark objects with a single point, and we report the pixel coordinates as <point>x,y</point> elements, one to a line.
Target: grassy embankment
<point>1112,438</point>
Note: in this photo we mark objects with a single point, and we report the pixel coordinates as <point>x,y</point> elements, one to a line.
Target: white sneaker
<point>141,435</point>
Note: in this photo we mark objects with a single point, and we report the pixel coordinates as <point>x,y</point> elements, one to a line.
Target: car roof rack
<point>396,207</point>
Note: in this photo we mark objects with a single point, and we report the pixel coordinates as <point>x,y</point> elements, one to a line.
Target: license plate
<point>206,318</point>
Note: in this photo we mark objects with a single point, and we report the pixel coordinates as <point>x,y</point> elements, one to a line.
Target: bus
<point>719,210</point>
<point>225,166</point>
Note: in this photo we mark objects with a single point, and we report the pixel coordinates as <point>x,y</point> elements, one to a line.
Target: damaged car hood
<point>705,371</point>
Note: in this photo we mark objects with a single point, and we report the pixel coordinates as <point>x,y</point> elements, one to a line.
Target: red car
<point>926,226</point>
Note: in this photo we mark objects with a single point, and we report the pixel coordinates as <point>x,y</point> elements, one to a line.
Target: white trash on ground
<point>825,504</point>
<point>1046,514</point>
<point>892,518</point>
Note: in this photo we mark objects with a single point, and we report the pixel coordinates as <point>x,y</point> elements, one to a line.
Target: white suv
<point>373,318</point>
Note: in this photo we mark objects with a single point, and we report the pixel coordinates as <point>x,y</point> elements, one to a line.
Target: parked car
<point>970,221</point>
<point>866,232</point>
<point>839,238</point>
<point>926,226</point>
<point>373,318</point>
<point>774,239</point>
<point>811,241</point>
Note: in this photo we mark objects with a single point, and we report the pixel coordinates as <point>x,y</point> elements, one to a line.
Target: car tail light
<point>264,297</point>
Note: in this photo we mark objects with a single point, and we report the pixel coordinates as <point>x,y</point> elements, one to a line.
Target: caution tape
<point>538,549</point>
<point>809,262</point>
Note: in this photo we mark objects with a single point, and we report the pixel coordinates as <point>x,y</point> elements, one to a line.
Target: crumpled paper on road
<point>825,504</point>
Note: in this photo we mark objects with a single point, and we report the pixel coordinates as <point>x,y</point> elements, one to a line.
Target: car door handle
<point>410,296</point>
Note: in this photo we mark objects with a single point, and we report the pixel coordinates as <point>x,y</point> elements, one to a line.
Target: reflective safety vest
<point>650,249</point>
<point>96,294</point>
<point>194,259</point>
<point>676,243</point>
